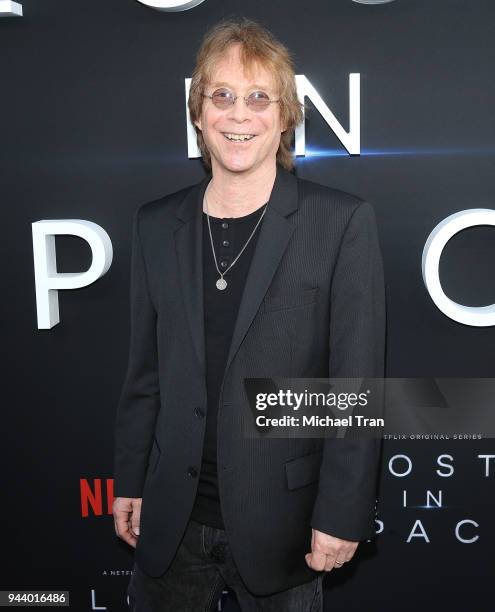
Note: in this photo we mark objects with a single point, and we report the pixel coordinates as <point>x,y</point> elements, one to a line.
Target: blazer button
<point>198,412</point>
<point>192,472</point>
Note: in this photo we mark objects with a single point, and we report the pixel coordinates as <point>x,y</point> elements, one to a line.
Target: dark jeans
<point>202,567</point>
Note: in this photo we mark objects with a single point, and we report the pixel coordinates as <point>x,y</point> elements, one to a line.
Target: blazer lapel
<point>189,249</point>
<point>274,236</point>
<point>275,232</point>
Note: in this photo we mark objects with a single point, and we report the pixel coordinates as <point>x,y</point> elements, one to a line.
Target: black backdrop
<point>93,124</point>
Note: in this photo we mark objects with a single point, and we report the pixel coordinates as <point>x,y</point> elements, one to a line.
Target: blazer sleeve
<point>139,401</point>
<point>345,502</point>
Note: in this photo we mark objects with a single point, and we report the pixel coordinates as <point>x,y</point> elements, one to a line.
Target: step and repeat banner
<point>399,110</point>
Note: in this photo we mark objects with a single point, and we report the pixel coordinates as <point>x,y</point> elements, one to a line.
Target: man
<point>250,273</point>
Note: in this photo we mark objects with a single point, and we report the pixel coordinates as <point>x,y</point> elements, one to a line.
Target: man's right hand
<point>126,515</point>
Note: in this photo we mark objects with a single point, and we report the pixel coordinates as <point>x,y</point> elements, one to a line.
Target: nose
<point>239,110</point>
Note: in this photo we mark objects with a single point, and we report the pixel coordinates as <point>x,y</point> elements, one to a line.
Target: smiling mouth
<point>238,137</point>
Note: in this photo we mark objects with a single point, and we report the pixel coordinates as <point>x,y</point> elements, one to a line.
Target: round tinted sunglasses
<point>224,99</point>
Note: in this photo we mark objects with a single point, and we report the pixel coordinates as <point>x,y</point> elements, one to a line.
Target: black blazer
<point>313,306</point>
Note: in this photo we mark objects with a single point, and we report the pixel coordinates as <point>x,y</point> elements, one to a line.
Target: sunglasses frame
<point>245,98</point>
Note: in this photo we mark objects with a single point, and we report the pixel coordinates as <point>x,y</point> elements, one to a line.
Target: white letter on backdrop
<point>10,9</point>
<point>476,316</point>
<point>352,139</point>
<point>47,280</point>
<point>171,5</point>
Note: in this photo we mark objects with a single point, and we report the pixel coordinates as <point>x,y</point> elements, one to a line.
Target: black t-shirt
<point>220,313</point>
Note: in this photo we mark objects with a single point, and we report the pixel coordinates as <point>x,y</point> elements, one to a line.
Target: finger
<point>128,536</point>
<point>130,539</point>
<point>135,520</point>
<point>309,557</point>
<point>119,514</point>
<point>338,563</point>
<point>122,527</point>
<point>347,554</point>
<point>330,563</point>
<point>317,561</point>
<point>121,518</point>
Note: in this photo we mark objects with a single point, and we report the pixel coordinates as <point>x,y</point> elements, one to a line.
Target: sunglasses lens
<point>222,98</point>
<point>258,100</point>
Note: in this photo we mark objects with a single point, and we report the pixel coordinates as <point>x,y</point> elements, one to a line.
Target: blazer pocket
<point>154,457</point>
<point>290,300</point>
<point>303,470</point>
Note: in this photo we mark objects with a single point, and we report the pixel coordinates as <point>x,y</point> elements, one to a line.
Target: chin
<point>236,165</point>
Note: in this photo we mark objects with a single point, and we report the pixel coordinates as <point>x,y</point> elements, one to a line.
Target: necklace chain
<point>221,282</point>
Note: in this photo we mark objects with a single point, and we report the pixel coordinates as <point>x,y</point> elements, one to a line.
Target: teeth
<point>239,137</point>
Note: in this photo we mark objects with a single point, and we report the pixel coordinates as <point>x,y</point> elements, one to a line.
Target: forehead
<point>228,69</point>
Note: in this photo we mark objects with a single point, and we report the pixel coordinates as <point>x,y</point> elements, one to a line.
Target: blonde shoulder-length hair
<point>258,46</point>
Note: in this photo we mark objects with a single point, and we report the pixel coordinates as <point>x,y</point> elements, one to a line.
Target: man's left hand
<point>328,551</point>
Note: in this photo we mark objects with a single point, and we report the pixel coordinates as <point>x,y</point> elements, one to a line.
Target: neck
<point>236,195</point>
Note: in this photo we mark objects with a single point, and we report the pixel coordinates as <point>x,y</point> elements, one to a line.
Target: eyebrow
<point>252,86</point>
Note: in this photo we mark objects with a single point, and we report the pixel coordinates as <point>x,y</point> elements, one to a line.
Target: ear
<point>197,123</point>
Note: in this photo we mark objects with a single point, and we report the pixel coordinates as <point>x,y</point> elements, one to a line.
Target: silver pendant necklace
<point>221,283</point>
